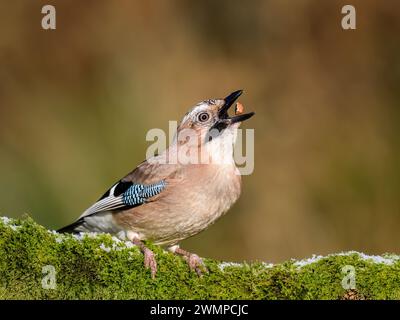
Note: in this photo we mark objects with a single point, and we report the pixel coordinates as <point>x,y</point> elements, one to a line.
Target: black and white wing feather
<point>124,195</point>
<point>129,192</point>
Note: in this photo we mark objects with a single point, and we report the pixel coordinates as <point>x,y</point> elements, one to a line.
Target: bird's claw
<point>150,262</point>
<point>196,264</point>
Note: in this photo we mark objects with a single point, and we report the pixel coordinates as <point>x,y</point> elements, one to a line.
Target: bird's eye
<point>203,116</point>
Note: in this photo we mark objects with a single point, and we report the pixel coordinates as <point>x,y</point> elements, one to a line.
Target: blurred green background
<point>76,104</point>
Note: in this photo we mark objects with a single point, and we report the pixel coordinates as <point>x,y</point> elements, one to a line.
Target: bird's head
<point>210,118</point>
<point>209,124</point>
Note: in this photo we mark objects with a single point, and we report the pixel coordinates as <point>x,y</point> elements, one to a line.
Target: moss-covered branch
<point>39,264</point>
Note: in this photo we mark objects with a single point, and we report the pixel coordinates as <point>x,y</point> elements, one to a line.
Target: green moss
<point>101,267</point>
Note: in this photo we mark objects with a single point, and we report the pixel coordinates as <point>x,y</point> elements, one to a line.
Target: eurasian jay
<point>178,193</point>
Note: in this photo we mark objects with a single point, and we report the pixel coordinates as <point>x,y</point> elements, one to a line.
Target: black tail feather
<point>71,228</point>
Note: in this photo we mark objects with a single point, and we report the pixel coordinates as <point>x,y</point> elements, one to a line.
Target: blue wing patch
<point>139,193</point>
<point>123,195</point>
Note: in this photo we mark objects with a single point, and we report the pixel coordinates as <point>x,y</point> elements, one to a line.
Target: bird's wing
<point>143,183</point>
<point>124,195</point>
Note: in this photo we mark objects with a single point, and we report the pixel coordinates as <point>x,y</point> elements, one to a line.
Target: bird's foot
<point>149,256</point>
<point>150,261</point>
<point>194,262</point>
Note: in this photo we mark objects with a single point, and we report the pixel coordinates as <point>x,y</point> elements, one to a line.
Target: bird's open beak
<point>223,112</point>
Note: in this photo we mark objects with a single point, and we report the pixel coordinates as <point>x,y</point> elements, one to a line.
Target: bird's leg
<point>149,257</point>
<point>193,260</point>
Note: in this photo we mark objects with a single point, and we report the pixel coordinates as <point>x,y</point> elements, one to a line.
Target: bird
<point>178,193</point>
